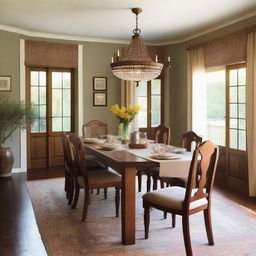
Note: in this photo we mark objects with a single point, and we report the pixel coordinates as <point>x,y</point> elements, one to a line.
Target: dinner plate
<point>110,147</point>
<point>178,150</point>
<point>170,157</point>
<point>93,140</point>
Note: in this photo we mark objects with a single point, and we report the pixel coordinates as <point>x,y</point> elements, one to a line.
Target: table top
<point>120,159</point>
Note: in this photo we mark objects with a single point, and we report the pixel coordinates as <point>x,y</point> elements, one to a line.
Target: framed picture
<point>5,83</point>
<point>99,99</point>
<point>99,83</point>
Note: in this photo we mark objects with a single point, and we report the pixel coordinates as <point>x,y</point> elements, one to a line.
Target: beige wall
<point>9,66</point>
<point>97,58</point>
<point>96,62</point>
<point>178,76</point>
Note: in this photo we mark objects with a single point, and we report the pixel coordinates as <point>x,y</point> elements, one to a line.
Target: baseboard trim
<point>18,170</point>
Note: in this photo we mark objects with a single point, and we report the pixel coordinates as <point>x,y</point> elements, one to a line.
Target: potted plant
<point>13,115</point>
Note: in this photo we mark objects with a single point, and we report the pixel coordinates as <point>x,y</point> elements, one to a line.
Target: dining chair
<point>162,134</point>
<point>190,200</point>
<point>190,140</point>
<point>95,129</point>
<point>69,186</point>
<point>88,180</point>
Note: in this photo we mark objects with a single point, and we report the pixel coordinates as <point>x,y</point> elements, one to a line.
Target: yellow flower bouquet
<point>125,116</point>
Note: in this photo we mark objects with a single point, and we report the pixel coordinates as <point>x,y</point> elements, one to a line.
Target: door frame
<point>22,78</point>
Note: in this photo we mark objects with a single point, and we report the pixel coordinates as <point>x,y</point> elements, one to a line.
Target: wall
<point>97,58</point>
<point>9,66</point>
<point>178,76</point>
<point>96,62</point>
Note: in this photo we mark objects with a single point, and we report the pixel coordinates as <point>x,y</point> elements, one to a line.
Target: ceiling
<point>103,20</point>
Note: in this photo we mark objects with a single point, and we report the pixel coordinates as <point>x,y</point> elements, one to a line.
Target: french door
<point>227,125</point>
<point>50,92</point>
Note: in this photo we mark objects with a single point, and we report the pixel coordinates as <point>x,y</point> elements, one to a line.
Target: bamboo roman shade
<point>226,50</point>
<point>50,54</point>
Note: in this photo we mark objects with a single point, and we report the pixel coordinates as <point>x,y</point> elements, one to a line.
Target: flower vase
<point>125,132</point>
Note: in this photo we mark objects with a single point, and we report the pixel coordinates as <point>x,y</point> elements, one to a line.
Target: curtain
<point>129,96</point>
<point>196,92</point>
<point>251,111</point>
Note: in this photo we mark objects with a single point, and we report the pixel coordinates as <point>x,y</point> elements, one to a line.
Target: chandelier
<point>136,65</point>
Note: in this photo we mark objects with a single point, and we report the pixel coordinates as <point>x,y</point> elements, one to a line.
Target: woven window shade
<point>50,54</point>
<point>226,50</point>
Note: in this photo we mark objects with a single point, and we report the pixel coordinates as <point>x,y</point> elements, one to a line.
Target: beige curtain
<point>251,111</point>
<point>196,92</point>
<point>129,97</point>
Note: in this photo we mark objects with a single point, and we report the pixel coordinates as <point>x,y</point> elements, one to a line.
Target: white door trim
<point>80,90</point>
<point>23,132</point>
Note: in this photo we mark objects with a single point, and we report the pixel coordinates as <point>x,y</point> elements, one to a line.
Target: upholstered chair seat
<point>99,178</point>
<point>172,197</point>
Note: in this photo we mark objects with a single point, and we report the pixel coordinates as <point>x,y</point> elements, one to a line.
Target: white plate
<point>110,147</point>
<point>168,157</point>
<point>178,150</point>
<point>93,140</point>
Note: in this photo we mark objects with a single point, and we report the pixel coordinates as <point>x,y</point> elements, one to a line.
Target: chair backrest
<point>94,129</point>
<point>78,157</point>
<point>205,157</point>
<point>188,138</point>
<point>162,134</point>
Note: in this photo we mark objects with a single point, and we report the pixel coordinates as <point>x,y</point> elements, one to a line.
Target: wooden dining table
<point>124,163</point>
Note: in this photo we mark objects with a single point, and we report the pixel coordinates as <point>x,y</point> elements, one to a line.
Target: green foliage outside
<point>13,115</point>
<point>216,101</point>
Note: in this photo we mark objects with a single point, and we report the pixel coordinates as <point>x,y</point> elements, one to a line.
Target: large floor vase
<point>6,162</point>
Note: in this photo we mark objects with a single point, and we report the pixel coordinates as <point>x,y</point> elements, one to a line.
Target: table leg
<point>128,206</point>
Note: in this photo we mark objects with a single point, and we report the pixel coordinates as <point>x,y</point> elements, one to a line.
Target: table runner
<point>168,168</point>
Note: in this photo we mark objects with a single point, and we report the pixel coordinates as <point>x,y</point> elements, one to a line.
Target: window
<point>216,106</point>
<point>226,106</point>
<point>150,100</point>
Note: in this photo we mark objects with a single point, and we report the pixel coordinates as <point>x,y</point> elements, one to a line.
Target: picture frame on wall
<point>5,83</point>
<point>100,99</point>
<point>99,83</point>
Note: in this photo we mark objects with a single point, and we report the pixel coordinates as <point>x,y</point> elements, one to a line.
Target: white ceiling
<point>160,21</point>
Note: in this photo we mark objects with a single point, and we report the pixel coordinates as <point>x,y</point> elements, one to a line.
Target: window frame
<point>149,102</point>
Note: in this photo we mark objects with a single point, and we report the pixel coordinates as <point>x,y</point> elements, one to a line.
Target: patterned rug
<point>64,234</point>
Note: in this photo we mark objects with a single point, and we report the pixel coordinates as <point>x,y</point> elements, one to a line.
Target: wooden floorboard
<point>19,235</point>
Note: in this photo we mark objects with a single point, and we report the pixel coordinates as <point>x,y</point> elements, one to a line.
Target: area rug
<point>64,234</point>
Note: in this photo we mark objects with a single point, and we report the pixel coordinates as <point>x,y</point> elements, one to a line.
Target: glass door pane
<point>216,106</point>
<point>237,108</point>
<point>155,102</point>
<point>142,101</point>
<point>61,101</point>
<point>38,100</point>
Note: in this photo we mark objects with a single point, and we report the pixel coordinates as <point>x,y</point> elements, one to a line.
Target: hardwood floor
<point>19,234</point>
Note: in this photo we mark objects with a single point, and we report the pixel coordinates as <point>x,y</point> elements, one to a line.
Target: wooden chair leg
<point>98,191</point>
<point>161,184</point>
<point>117,199</point>
<point>66,183</point>
<point>173,220</point>
<point>148,182</point>
<point>154,183</point>
<point>165,215</point>
<point>186,235</point>
<point>139,181</point>
<point>91,191</point>
<point>146,219</point>
<point>77,190</point>
<point>86,204</point>
<point>208,226</point>
<point>105,193</point>
<point>71,187</point>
